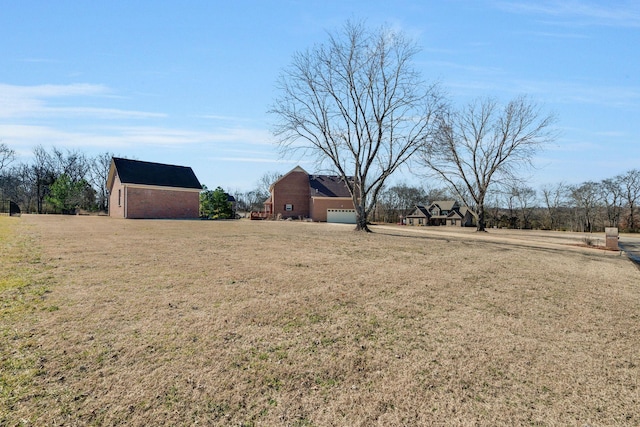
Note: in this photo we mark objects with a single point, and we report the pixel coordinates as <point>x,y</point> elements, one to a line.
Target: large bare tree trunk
<point>481,226</point>
<point>361,219</point>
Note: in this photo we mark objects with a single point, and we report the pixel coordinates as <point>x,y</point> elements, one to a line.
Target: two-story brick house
<point>299,195</point>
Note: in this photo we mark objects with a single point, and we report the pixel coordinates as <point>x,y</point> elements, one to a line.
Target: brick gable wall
<point>116,199</point>
<point>292,189</point>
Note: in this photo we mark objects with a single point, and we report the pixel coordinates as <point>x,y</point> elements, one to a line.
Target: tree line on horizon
<point>55,180</point>
<point>58,181</point>
<point>586,207</point>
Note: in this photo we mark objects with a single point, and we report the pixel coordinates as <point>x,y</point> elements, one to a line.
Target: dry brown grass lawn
<point>297,324</point>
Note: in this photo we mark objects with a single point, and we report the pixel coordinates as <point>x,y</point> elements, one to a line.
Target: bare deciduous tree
<point>510,199</point>
<point>359,106</point>
<point>526,199</point>
<point>630,185</point>
<point>586,198</point>
<point>555,197</point>
<point>41,174</point>
<point>398,201</point>
<point>611,195</point>
<point>7,155</point>
<point>266,181</point>
<point>99,173</point>
<point>74,164</point>
<point>482,145</point>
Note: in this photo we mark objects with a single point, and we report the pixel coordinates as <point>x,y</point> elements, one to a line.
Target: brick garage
<point>320,205</point>
<point>152,190</point>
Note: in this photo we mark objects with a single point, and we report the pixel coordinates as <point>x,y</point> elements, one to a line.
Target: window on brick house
<point>119,197</point>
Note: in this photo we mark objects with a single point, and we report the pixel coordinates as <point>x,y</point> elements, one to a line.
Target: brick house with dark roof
<point>299,195</point>
<point>140,189</point>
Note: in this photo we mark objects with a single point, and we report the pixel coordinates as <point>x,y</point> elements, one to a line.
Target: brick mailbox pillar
<point>612,238</point>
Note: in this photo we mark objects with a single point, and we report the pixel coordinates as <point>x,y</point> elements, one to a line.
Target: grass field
<point>137,323</point>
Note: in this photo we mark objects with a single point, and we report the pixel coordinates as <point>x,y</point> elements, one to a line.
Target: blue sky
<point>190,82</point>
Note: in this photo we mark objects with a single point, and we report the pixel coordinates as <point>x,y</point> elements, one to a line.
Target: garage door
<point>343,216</point>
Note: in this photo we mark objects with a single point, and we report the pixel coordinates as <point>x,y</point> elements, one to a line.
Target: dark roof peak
<point>157,174</point>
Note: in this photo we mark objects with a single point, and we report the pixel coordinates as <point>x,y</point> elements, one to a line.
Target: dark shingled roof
<point>419,208</point>
<point>445,205</point>
<point>147,173</point>
<point>328,186</point>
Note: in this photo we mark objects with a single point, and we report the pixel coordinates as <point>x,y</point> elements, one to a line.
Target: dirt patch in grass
<point>301,324</point>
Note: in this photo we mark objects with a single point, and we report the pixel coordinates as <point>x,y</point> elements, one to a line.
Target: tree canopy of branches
<point>7,155</point>
<point>359,106</point>
<point>482,145</point>
<point>98,173</point>
<point>253,199</point>
<point>630,186</point>
<point>555,198</point>
<point>397,201</point>
<point>585,198</point>
<point>266,181</point>
<point>611,195</point>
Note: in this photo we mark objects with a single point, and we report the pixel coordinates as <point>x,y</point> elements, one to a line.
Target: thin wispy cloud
<point>233,151</point>
<point>49,90</point>
<point>557,35</point>
<point>35,101</point>
<point>22,135</point>
<point>102,113</point>
<point>170,136</point>
<point>613,134</point>
<point>563,92</point>
<point>38,60</point>
<point>25,137</point>
<point>550,91</point>
<point>476,69</point>
<point>619,14</point>
<point>248,135</point>
<point>227,119</point>
<point>255,160</point>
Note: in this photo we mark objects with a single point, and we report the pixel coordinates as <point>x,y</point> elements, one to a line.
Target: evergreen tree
<point>67,195</point>
<point>214,204</point>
